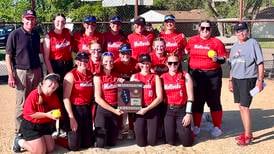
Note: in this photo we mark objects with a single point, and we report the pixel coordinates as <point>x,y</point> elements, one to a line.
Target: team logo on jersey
<point>114,45</point>
<point>172,86</point>
<point>147,86</point>
<point>86,84</point>
<point>141,44</point>
<point>62,44</point>
<point>171,44</point>
<point>201,47</point>
<point>109,86</point>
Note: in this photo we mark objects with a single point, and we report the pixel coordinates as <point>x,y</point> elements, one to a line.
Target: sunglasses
<point>174,63</point>
<point>207,28</point>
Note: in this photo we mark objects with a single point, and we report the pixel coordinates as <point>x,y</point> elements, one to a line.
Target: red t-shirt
<point>60,45</point>
<point>174,88</point>
<point>95,68</point>
<point>149,88</point>
<point>31,106</point>
<point>109,87</point>
<point>158,63</point>
<point>198,48</point>
<point>82,90</point>
<point>126,70</point>
<point>175,42</point>
<point>140,43</point>
<point>113,43</point>
<point>81,40</point>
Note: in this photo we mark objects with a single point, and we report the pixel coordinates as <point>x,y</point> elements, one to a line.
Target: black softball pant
<point>83,137</point>
<point>106,127</point>
<point>146,127</point>
<point>174,127</point>
<point>207,88</point>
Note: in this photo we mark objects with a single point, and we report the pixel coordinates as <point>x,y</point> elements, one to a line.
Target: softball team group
<point>84,89</point>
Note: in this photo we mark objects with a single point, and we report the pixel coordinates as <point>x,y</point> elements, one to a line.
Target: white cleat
<point>216,132</point>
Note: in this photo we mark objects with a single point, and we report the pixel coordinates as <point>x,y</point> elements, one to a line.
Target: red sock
<point>197,117</point>
<point>217,118</point>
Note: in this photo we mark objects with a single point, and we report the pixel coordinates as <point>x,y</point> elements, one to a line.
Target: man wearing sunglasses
<point>83,40</point>
<point>206,54</point>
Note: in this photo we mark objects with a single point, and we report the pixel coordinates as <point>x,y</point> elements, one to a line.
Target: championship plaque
<point>130,95</point>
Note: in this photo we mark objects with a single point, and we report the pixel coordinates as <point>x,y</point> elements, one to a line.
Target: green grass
<point>266,42</point>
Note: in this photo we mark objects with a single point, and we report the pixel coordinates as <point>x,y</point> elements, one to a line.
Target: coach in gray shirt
<point>247,71</point>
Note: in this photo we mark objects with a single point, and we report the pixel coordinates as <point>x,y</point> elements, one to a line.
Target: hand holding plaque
<point>130,96</point>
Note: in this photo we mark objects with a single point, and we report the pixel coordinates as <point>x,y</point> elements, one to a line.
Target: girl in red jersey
<point>146,122</point>
<point>125,66</point>
<point>82,40</point>
<point>78,92</point>
<point>57,48</point>
<point>175,41</point>
<point>140,40</point>
<point>158,56</point>
<point>105,86</point>
<point>38,120</point>
<point>95,58</point>
<point>206,54</point>
<point>178,89</point>
<point>114,38</point>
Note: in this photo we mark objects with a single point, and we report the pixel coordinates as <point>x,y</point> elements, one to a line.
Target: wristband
<point>189,107</point>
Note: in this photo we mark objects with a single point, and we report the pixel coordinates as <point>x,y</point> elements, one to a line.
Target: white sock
<point>21,142</point>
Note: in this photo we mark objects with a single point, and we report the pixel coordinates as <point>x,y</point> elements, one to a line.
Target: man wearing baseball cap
<point>247,72</point>
<point>83,40</point>
<point>22,60</point>
<point>140,40</point>
<point>114,38</point>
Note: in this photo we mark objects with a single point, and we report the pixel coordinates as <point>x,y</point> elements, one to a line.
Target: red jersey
<point>175,42</point>
<point>140,43</point>
<point>95,68</point>
<point>109,88</point>
<point>126,70</point>
<point>82,41</point>
<point>31,106</point>
<point>149,88</point>
<point>198,48</point>
<point>60,45</point>
<point>158,63</point>
<point>174,88</point>
<point>113,43</point>
<point>82,90</point>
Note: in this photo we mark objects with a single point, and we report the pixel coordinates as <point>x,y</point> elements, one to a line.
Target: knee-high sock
<point>217,118</point>
<point>197,117</point>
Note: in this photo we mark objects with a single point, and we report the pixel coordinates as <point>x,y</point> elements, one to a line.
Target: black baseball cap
<point>125,48</point>
<point>82,56</point>
<point>29,14</point>
<point>240,26</point>
<point>144,58</point>
<point>140,21</point>
<point>115,19</point>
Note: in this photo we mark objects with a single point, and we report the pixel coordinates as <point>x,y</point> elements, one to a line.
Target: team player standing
<point>103,60</point>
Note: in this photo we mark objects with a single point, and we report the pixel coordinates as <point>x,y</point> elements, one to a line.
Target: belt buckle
<point>171,107</point>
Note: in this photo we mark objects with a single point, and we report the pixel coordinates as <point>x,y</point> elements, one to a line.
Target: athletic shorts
<point>32,131</point>
<point>241,88</point>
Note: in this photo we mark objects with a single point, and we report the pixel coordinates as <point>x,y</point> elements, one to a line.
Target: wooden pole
<point>241,9</point>
<point>33,4</point>
<point>136,9</point>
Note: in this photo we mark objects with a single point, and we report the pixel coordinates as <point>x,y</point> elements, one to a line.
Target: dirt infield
<point>262,115</point>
